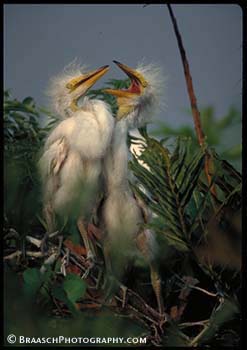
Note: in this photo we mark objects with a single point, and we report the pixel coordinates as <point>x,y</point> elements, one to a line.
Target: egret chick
<point>123,214</point>
<point>71,164</point>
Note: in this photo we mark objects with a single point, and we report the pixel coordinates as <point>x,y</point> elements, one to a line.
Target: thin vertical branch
<point>195,111</point>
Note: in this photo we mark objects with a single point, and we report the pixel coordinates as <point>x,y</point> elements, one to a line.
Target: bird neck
<point>116,163</point>
<point>73,106</point>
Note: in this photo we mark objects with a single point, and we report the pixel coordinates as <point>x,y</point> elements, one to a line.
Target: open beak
<point>137,82</point>
<point>88,79</point>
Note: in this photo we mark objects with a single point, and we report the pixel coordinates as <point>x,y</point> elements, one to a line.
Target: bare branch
<point>193,102</point>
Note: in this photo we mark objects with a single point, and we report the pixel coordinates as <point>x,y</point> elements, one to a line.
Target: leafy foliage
<point>73,288</point>
<point>32,280</point>
<point>22,127</point>
<point>218,131</point>
<point>23,139</point>
<point>172,184</point>
<point>170,181</point>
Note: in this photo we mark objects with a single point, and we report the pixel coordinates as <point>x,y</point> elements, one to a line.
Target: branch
<point>19,253</point>
<point>204,291</point>
<point>194,108</point>
<point>188,78</point>
<point>193,324</point>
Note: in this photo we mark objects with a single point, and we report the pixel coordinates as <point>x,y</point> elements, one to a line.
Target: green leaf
<point>59,293</point>
<point>161,191</point>
<point>32,281</point>
<point>193,174</point>
<point>70,291</point>
<point>28,101</point>
<point>74,287</point>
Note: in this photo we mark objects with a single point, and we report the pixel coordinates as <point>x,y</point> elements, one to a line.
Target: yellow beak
<point>88,79</point>
<point>133,75</point>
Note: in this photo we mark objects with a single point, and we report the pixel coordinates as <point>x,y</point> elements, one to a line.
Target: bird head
<point>141,100</point>
<point>67,88</point>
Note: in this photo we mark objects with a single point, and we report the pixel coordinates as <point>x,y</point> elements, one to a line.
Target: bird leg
<point>108,266</point>
<point>110,283</point>
<point>156,284</point>
<point>124,292</point>
<point>90,255</point>
<point>48,213</point>
<point>144,247</point>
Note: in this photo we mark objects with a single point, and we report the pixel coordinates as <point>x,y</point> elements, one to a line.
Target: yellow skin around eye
<point>74,82</point>
<point>84,82</point>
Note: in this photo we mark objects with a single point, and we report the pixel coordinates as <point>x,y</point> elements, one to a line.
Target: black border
<point>243,6</point>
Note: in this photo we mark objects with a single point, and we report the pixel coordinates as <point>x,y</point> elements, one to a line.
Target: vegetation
<point>198,233</point>
<point>221,133</point>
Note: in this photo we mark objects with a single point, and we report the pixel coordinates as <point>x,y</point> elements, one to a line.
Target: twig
<point>34,241</point>
<point>35,254</point>
<point>192,324</point>
<point>60,310</point>
<point>53,234</point>
<point>204,291</point>
<point>195,111</point>
<point>49,261</point>
<point>64,262</point>
<point>18,253</point>
<point>197,339</point>
<point>12,233</point>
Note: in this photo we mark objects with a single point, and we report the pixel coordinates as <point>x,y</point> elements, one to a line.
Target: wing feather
<point>60,156</point>
<point>50,165</point>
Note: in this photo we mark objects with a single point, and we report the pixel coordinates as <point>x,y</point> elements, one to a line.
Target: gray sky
<point>39,40</point>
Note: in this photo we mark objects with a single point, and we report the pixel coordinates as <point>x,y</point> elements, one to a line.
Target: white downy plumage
<point>71,164</point>
<point>122,213</point>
